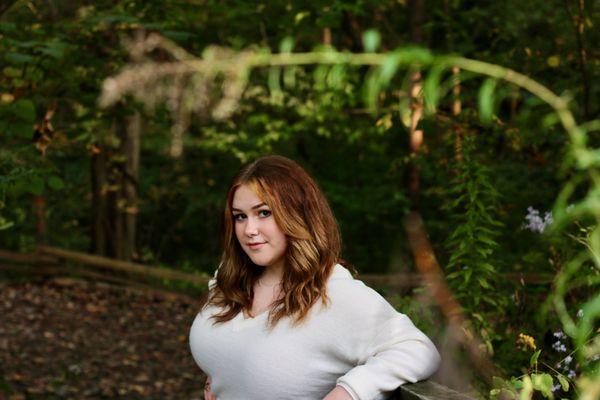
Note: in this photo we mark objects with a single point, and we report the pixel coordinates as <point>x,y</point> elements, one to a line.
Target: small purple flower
<point>560,335</point>
<point>535,223</point>
<point>555,387</point>
<point>560,347</point>
<point>568,360</point>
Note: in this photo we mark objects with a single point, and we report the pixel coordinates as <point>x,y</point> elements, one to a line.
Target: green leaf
<point>498,382</point>
<point>389,67</point>
<point>336,76</point>
<point>371,89</point>
<point>54,182</point>
<point>534,358</point>
<point>371,40</point>
<point>320,75</point>
<point>550,120</point>
<point>486,100</point>
<point>289,76</point>
<point>35,185</point>
<point>431,87</point>
<point>286,45</point>
<point>18,58</point>
<point>23,109</point>
<point>484,283</point>
<point>55,49</point>
<point>20,129</point>
<point>563,382</point>
<point>274,77</point>
<point>543,383</point>
<point>5,224</point>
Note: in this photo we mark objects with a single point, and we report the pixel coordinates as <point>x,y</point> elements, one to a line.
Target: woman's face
<point>256,229</point>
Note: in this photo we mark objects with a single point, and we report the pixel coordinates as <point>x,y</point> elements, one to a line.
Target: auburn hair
<point>303,214</point>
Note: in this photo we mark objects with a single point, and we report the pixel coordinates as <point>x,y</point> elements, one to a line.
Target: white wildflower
<point>560,335</point>
<point>580,313</point>
<point>535,222</point>
<point>560,347</point>
<point>556,387</point>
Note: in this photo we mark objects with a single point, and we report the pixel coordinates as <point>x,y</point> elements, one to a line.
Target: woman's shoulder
<point>347,292</point>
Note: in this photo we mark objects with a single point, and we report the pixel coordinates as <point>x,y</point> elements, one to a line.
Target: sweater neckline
<point>239,322</point>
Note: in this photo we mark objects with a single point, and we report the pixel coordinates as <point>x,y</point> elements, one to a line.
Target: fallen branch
<point>27,258</point>
<point>118,265</point>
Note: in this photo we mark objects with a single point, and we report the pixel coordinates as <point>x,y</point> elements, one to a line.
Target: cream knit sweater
<point>359,342</point>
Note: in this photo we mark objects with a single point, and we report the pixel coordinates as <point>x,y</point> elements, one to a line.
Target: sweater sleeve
<point>386,347</point>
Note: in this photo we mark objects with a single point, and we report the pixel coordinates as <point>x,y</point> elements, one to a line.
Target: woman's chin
<point>260,262</point>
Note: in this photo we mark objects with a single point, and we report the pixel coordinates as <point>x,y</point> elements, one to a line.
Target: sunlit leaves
<point>431,87</point>
<point>371,41</point>
<point>486,100</point>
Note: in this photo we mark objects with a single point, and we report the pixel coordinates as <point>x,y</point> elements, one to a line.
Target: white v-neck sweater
<point>359,342</point>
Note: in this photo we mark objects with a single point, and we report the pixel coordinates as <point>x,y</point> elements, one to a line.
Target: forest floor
<point>64,338</point>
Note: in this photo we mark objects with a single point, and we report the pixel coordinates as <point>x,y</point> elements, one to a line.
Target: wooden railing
<point>428,390</point>
<point>51,261</point>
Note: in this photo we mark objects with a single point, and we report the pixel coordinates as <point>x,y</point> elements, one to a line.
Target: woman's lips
<point>255,246</point>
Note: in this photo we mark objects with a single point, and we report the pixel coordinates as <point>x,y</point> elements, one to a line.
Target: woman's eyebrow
<point>253,207</point>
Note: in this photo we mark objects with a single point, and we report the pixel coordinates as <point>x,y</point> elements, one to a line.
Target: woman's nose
<point>251,227</point>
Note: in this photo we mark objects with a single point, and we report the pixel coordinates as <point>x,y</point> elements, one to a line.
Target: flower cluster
<point>525,341</point>
<point>565,364</point>
<point>535,223</point>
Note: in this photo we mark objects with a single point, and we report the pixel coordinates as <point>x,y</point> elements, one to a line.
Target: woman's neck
<point>271,275</point>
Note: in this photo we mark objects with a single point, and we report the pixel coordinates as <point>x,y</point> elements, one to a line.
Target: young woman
<point>285,319</point>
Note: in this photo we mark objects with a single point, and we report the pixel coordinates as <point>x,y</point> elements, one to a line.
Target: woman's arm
<point>386,348</point>
<point>338,393</point>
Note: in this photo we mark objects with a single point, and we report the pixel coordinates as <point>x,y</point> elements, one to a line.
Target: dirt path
<point>68,339</point>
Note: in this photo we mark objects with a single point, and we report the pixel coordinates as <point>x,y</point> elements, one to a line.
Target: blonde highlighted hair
<point>313,242</point>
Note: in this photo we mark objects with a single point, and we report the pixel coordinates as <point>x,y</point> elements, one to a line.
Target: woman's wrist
<point>338,393</point>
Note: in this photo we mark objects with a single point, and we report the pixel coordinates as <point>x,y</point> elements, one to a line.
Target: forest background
<point>144,179</point>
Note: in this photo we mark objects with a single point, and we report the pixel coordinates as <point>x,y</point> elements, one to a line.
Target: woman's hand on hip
<point>207,392</point>
<point>338,393</point>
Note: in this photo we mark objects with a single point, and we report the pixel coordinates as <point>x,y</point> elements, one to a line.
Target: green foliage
<point>472,245</point>
<point>472,269</point>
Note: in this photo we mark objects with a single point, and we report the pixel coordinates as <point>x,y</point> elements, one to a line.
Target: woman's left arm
<point>386,347</point>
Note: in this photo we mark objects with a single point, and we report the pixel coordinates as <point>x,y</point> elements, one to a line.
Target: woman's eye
<point>238,217</point>
<point>264,213</point>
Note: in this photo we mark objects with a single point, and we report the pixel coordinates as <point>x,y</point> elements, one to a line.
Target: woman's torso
<point>246,361</point>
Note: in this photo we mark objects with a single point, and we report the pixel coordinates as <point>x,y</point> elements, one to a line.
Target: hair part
<point>313,248</point>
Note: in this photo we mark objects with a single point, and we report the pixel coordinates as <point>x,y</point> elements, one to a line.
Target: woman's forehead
<point>246,197</point>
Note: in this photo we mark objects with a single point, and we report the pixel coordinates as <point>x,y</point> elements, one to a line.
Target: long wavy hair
<point>313,243</point>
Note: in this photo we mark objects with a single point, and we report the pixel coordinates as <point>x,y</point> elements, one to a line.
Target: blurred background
<point>116,152</point>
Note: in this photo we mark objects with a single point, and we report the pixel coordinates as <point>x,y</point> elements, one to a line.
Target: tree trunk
<point>456,109</point>
<point>99,202</point>
<point>115,192</point>
<point>130,146</point>
<point>416,11</point>
<point>39,210</point>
